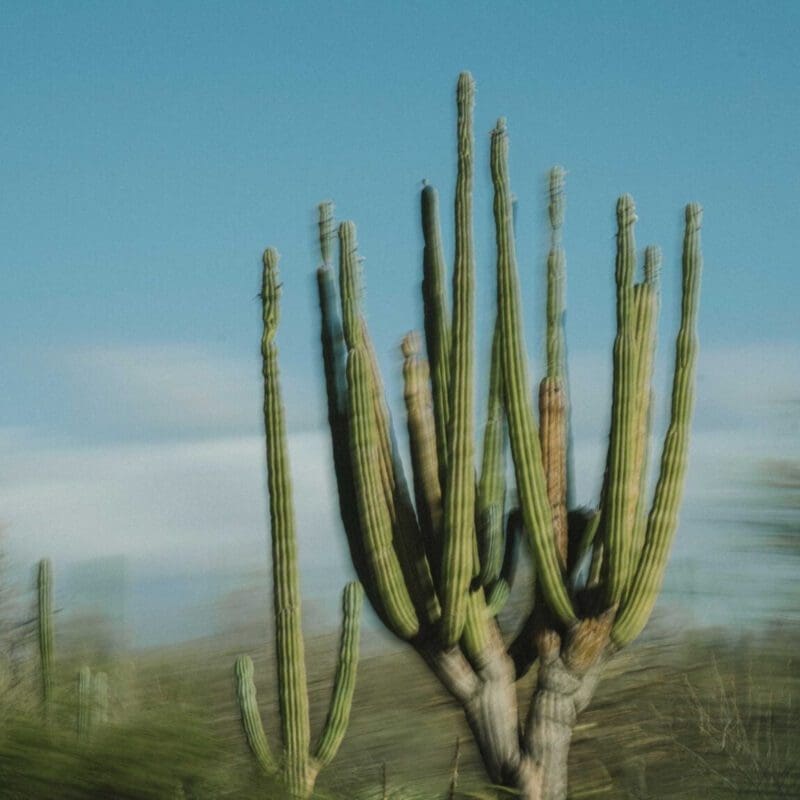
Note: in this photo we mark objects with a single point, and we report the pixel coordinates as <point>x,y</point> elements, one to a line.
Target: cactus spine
<point>438,576</point>
<point>298,765</point>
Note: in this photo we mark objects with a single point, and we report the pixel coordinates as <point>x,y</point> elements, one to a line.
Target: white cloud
<point>178,505</point>
<point>198,503</point>
<point>172,389</point>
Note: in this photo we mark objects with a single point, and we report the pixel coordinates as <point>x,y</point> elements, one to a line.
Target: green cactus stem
<point>525,448</point>
<point>458,563</point>
<point>437,323</point>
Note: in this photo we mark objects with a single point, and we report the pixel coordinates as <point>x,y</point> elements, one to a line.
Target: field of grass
<point>698,715</point>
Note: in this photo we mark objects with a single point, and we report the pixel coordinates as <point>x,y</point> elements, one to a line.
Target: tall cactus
<point>438,577</point>
<point>298,765</point>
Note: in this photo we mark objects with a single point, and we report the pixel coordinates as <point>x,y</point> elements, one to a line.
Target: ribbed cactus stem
<point>500,590</point>
<point>492,484</point>
<point>100,699</point>
<point>345,681</point>
<point>524,438</point>
<point>376,523</point>
<point>459,495</point>
<point>622,483</point>
<point>663,518</point>
<point>84,716</point>
<point>292,695</point>
<point>556,269</point>
<point>437,324</point>
<point>44,585</point>
<point>646,313</point>
<point>251,719</point>
<point>350,284</point>
<point>422,444</point>
<point>326,232</point>
<point>652,264</point>
<point>553,436</point>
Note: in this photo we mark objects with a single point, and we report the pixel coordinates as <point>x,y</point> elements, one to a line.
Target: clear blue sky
<point>150,151</point>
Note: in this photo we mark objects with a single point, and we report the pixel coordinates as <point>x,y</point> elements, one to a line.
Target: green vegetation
<point>700,715</point>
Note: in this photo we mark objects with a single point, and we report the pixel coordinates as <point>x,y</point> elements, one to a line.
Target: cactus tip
<point>694,215</point>
<point>466,83</point>
<point>652,263</point>
<point>410,344</point>
<point>626,211</point>
<point>556,190</point>
<point>244,667</point>
<point>270,258</point>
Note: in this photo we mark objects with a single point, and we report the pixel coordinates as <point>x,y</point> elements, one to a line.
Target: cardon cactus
<point>298,765</point>
<point>437,568</point>
<point>44,616</point>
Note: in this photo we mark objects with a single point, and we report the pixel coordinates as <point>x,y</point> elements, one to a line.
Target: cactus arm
<point>556,269</point>
<point>522,428</point>
<point>376,523</point>
<point>251,719</point>
<point>44,585</point>
<point>622,483</point>
<point>292,689</point>
<point>437,327</point>
<point>553,437</point>
<point>553,406</point>
<point>458,565</point>
<point>646,311</point>
<point>663,517</point>
<point>557,343</point>
<point>408,539</point>
<point>326,231</point>
<point>422,441</point>
<point>501,589</point>
<point>491,488</point>
<point>345,681</point>
<point>334,359</point>
<point>583,526</point>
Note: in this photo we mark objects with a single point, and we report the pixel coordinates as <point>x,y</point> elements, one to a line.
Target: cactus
<point>298,765</point>
<point>85,703</point>
<point>44,586</point>
<point>438,576</point>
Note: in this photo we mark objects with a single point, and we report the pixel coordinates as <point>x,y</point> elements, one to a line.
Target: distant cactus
<point>438,568</point>
<point>44,586</point>
<point>298,765</point>
<point>85,702</point>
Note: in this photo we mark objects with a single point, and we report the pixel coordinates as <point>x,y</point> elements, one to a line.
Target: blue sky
<point>150,151</point>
